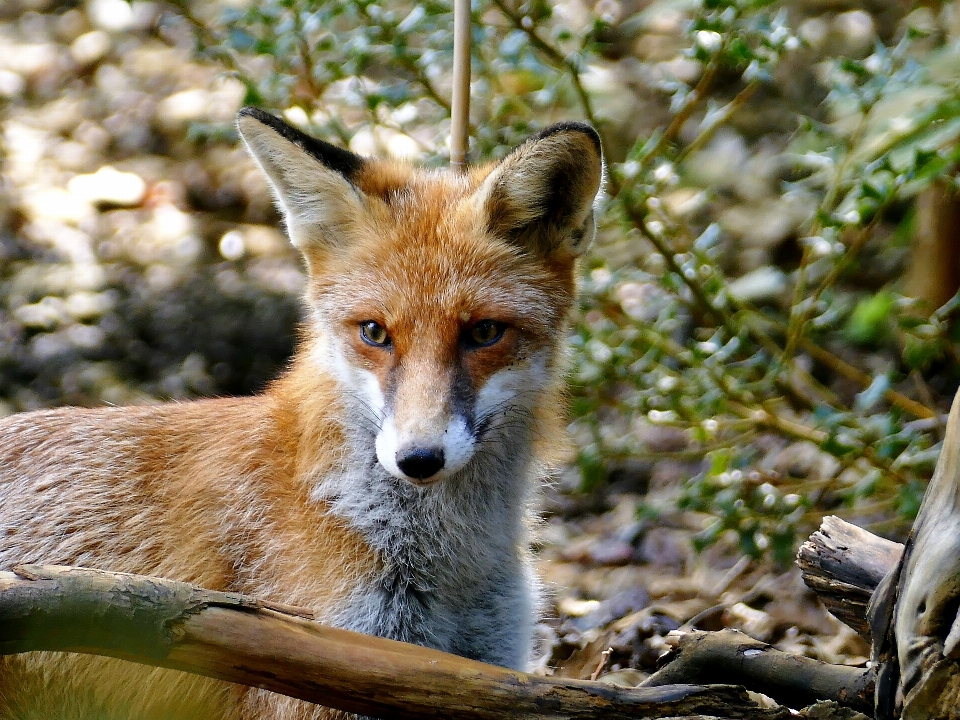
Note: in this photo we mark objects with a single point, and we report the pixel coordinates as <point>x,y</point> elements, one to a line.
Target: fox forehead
<point>423,255</point>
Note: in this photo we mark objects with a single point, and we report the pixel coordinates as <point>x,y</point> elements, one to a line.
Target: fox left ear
<point>541,195</point>
<point>312,180</point>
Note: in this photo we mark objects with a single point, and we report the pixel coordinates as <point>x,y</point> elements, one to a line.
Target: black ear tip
<point>249,111</point>
<point>260,115</point>
<point>335,158</point>
<point>572,126</point>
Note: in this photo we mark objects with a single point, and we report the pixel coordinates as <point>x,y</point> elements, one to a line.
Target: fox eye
<point>373,333</point>
<point>485,333</point>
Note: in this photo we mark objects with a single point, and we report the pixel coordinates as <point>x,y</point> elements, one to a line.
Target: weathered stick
<point>730,656</point>
<point>460,103</point>
<point>843,564</point>
<point>239,639</point>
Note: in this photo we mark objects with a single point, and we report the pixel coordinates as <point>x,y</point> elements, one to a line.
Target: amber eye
<point>485,333</point>
<point>373,333</point>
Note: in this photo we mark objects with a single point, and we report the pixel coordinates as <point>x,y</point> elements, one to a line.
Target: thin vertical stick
<point>460,107</point>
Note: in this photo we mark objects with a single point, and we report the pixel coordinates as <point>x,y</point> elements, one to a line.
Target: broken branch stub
<point>843,564</point>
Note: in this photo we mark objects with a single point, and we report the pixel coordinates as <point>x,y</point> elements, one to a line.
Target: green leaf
<point>870,321</point>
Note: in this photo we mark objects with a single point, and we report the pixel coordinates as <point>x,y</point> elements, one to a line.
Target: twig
<point>739,100</point>
<point>797,319</point>
<point>551,52</point>
<point>604,659</point>
<point>696,95</point>
<point>841,367</point>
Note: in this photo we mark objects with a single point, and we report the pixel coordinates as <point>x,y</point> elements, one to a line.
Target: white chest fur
<point>453,572</point>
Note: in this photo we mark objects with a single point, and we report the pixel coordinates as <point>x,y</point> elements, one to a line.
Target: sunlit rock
<point>11,84</point>
<point>856,33</point>
<point>381,140</point>
<point>48,203</point>
<point>232,246</point>
<point>184,106</point>
<point>28,58</point>
<point>90,47</point>
<point>46,314</point>
<point>109,186</point>
<point>112,15</point>
<point>85,305</point>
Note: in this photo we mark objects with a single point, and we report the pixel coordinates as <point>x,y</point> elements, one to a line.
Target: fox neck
<point>431,543</point>
<point>439,548</point>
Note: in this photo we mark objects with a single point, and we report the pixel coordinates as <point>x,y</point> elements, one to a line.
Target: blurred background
<point>768,326</point>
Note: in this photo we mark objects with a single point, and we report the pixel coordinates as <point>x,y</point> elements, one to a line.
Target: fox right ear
<point>540,197</point>
<point>311,179</point>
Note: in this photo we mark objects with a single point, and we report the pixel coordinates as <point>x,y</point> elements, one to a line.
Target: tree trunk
<point>914,613</point>
<point>934,274</point>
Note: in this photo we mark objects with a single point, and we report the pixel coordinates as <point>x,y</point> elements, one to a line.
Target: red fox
<point>385,479</point>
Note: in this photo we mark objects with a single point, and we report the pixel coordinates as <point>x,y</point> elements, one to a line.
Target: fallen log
<point>280,648</point>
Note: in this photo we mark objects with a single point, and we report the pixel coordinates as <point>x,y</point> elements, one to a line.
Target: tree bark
<point>239,639</point>
<point>915,613</point>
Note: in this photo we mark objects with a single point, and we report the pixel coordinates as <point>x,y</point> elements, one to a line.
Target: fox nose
<point>420,463</point>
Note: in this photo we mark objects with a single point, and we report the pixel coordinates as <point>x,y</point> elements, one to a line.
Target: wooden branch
<point>239,639</point>
<point>843,564</point>
<point>730,656</point>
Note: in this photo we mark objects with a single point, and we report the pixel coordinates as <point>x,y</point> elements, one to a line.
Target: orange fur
<point>225,510</point>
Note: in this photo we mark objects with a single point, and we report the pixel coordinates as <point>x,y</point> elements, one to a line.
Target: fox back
<point>385,480</point>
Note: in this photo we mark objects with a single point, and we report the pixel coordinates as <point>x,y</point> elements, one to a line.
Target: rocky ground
<point>137,262</point>
<point>140,260</point>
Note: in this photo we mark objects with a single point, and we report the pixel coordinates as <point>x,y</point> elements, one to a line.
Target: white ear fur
<point>541,195</point>
<point>310,178</point>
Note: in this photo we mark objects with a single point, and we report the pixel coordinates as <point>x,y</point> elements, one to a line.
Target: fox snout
<point>424,452</point>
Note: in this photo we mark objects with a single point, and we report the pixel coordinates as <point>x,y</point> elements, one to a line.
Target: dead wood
<point>914,613</point>
<point>843,564</point>
<point>239,639</point>
<point>730,656</point>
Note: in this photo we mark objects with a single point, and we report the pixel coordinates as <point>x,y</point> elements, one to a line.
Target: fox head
<point>437,300</point>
